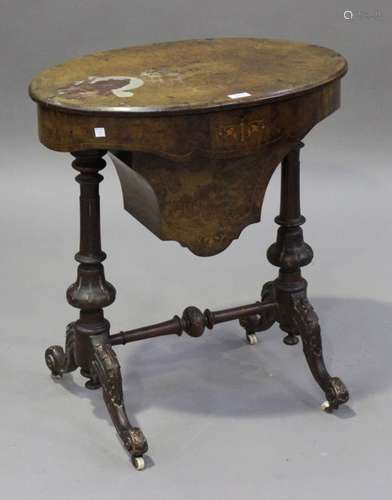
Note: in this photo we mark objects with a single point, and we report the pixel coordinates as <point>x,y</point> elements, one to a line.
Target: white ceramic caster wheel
<point>138,463</point>
<point>251,338</point>
<point>326,406</point>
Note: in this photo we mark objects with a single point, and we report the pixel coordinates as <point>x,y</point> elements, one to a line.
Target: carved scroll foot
<point>58,361</point>
<point>306,323</point>
<point>259,323</point>
<point>106,368</point>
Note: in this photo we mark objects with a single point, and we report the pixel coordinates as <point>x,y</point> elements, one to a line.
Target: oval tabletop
<point>187,76</point>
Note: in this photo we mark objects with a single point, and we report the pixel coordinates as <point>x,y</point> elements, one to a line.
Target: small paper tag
<point>99,132</point>
<point>239,95</point>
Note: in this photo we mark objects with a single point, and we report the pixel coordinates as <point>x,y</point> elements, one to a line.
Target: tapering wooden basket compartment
<point>201,179</point>
<point>203,203</point>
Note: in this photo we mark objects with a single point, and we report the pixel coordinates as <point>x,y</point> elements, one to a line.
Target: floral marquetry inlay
<point>242,131</point>
<point>245,132</point>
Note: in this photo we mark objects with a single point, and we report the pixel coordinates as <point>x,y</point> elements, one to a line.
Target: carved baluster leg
<point>91,292</point>
<point>290,253</point>
<point>88,346</point>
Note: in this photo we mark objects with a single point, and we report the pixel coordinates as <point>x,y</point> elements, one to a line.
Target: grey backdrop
<point>224,420</point>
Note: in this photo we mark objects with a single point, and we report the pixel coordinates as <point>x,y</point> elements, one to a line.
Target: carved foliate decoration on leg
<point>307,324</point>
<point>337,394</point>
<point>107,369</point>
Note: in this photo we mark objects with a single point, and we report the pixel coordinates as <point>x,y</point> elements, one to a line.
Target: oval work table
<point>195,130</point>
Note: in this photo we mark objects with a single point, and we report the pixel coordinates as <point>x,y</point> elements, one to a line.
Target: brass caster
<point>138,463</point>
<point>251,338</point>
<point>326,406</point>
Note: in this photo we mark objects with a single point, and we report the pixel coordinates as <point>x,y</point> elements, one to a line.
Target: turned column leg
<point>296,316</point>
<point>91,292</point>
<point>87,344</point>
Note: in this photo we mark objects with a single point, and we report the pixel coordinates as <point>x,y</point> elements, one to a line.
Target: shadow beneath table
<point>219,374</point>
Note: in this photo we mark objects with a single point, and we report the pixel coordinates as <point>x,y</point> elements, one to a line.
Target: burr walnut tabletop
<point>187,76</point>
